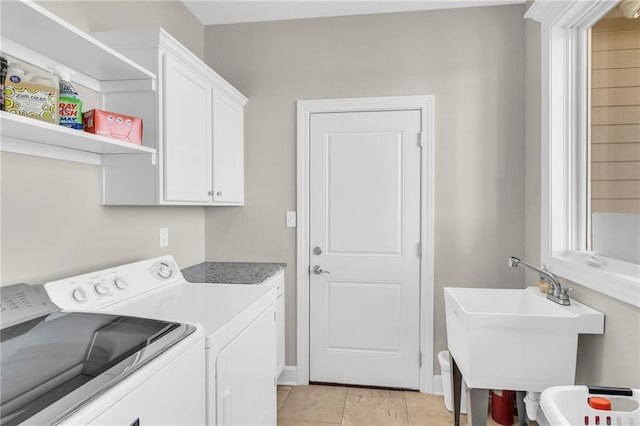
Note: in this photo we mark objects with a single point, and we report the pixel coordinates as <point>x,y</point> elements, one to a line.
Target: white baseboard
<point>288,376</point>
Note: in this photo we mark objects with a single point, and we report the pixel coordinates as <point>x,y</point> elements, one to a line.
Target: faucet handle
<point>564,293</point>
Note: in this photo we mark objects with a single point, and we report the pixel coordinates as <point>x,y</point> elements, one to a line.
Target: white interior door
<point>364,236</point>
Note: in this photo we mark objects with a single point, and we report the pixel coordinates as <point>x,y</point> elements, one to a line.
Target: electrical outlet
<point>164,237</point>
<point>291,219</point>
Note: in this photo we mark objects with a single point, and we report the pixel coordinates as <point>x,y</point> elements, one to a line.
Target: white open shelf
<point>25,23</point>
<point>32,34</point>
<point>34,137</point>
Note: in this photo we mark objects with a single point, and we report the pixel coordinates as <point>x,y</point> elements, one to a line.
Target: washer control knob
<point>120,283</point>
<point>101,289</point>
<point>165,270</point>
<point>79,295</point>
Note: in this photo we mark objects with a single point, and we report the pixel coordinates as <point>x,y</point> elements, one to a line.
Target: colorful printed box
<point>113,125</point>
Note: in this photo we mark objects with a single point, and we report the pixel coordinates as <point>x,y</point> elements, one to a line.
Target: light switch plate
<point>291,219</point>
<point>164,237</point>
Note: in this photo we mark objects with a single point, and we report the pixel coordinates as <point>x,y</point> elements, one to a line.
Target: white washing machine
<point>73,368</point>
<point>238,321</point>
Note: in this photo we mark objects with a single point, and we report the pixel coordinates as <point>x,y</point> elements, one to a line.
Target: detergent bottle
<point>69,103</point>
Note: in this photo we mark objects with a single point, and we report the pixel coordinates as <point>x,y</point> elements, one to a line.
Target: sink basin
<point>515,339</point>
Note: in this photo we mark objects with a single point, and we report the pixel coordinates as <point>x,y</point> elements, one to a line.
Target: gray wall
<point>51,219</point>
<point>533,149</point>
<point>472,60</point>
<point>610,359</point>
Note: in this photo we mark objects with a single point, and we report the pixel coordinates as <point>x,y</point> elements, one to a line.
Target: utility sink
<point>515,339</point>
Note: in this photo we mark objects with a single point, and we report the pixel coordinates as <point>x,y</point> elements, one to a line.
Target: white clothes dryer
<point>238,321</point>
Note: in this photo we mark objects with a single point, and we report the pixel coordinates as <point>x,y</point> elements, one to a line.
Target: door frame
<point>425,104</point>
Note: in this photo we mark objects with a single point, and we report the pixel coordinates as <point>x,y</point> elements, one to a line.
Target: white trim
<point>306,107</point>
<point>427,226</point>
<point>288,376</point>
<point>564,122</point>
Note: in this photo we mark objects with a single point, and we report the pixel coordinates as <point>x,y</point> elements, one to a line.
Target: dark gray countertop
<point>232,272</point>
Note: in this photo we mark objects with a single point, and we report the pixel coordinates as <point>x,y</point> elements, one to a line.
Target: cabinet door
<point>280,334</point>
<point>245,385</point>
<point>187,134</point>
<point>228,150</point>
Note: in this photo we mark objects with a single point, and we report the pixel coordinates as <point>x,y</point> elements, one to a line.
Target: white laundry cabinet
<point>194,118</point>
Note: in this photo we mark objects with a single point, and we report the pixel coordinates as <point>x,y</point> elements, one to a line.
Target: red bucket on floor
<point>502,406</point>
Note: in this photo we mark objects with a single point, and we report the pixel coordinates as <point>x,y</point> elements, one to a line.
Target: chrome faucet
<point>555,293</point>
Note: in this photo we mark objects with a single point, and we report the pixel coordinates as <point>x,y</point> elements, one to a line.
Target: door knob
<point>317,269</point>
<point>317,251</point>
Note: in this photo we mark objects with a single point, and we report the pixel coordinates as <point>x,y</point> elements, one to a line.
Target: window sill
<point>620,280</point>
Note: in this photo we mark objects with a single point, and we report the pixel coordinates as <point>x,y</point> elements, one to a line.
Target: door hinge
<point>420,359</point>
<point>419,250</point>
<point>274,316</point>
<point>420,139</point>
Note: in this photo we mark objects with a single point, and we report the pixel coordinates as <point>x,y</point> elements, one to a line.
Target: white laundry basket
<point>445,367</point>
<point>568,406</point>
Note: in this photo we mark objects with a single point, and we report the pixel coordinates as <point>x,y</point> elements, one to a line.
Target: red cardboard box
<point>113,125</point>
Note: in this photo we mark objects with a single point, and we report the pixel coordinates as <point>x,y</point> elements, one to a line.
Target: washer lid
<point>54,364</point>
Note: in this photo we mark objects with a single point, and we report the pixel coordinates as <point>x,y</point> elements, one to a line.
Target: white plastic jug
<point>33,94</point>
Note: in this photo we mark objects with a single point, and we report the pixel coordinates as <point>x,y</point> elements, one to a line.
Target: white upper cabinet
<point>194,119</point>
<point>228,149</point>
<point>187,134</point>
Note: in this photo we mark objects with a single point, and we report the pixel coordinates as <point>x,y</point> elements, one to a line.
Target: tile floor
<point>335,405</point>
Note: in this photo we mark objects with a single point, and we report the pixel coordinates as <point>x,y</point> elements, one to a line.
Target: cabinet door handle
<point>210,193</point>
<point>219,193</point>
<point>226,407</point>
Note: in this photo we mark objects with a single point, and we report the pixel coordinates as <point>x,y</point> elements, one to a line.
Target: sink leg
<point>477,406</point>
<point>523,419</point>
<point>456,389</point>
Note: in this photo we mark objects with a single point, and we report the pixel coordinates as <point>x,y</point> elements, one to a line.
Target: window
<point>572,143</point>
<point>613,227</point>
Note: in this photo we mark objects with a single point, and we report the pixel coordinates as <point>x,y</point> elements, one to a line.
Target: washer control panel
<point>22,302</point>
<point>162,270</point>
<point>102,288</point>
<point>120,283</point>
<point>79,295</point>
